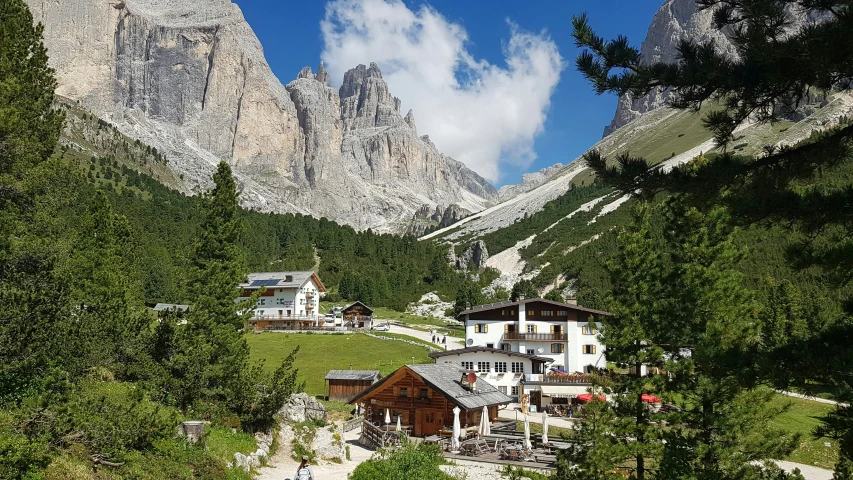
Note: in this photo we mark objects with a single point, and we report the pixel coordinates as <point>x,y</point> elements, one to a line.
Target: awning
<point>563,391</point>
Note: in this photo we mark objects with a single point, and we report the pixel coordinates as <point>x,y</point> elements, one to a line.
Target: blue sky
<point>492,37</point>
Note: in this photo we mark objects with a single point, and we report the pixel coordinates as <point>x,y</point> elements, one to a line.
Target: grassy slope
<point>803,417</point>
<point>319,353</point>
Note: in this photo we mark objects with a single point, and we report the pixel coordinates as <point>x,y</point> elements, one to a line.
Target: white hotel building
<point>290,300</point>
<point>547,334</point>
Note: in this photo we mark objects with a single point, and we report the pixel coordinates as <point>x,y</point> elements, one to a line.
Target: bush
<point>404,462</point>
<point>21,456</point>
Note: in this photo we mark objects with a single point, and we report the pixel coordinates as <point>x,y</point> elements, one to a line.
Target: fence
<point>352,424</point>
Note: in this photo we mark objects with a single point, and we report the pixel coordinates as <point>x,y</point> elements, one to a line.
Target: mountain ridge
<point>191,80</point>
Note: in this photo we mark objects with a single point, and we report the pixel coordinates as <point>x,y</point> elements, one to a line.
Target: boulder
<point>328,443</point>
<point>301,407</point>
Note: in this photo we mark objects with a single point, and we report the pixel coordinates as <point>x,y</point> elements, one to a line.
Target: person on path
<point>570,411</point>
<point>444,340</point>
<point>304,471</point>
<point>433,339</point>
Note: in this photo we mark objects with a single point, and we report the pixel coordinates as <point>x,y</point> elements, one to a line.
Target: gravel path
<point>452,342</point>
<point>283,467</point>
<point>813,399</point>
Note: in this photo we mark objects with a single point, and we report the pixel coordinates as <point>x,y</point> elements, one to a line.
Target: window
<point>429,417</point>
<point>514,390</point>
<point>502,389</point>
<point>557,348</point>
<point>530,351</point>
<point>532,313</point>
<point>562,313</point>
<point>424,393</point>
<point>500,367</point>
<point>263,301</point>
<point>589,349</point>
<point>483,366</point>
<point>531,329</point>
<point>468,365</point>
<point>547,313</point>
<point>517,367</point>
<point>481,328</point>
<point>588,330</point>
<point>490,345</point>
<point>404,392</point>
<point>506,347</point>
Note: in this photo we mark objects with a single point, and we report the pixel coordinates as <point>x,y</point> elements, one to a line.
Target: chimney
<point>520,297</point>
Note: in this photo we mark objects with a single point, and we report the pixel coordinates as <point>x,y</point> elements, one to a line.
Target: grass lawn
<point>802,417</point>
<point>319,353</point>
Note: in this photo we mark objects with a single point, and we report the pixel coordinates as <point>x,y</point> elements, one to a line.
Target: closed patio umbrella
<point>399,426</point>
<point>457,430</point>
<point>544,428</point>
<point>527,443</point>
<point>387,416</point>
<point>485,427</point>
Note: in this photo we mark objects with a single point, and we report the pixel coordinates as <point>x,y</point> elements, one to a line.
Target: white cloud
<point>482,114</point>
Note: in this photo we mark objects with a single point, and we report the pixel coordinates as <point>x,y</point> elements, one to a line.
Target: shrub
<point>407,461</point>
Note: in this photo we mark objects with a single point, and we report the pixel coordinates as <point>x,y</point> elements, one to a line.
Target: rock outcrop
<point>473,258</point>
<point>675,21</point>
<point>427,217</point>
<point>529,181</point>
<point>301,407</point>
<point>190,79</point>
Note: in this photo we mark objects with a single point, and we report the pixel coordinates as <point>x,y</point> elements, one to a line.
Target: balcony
<point>309,306</point>
<point>536,337</point>
<point>309,295</point>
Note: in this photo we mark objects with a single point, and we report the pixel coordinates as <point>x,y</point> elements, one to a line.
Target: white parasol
<point>399,426</point>
<point>544,428</point>
<point>387,416</point>
<point>457,430</point>
<point>527,443</point>
<point>485,427</point>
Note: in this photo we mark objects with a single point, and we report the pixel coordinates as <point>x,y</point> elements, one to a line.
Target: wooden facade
<point>425,409</point>
<point>346,384</point>
<point>357,315</point>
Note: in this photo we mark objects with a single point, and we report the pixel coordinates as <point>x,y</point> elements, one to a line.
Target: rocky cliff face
<point>427,217</point>
<point>190,78</point>
<point>675,21</point>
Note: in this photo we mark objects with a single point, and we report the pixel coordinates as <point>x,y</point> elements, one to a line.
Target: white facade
<point>560,332</point>
<point>286,295</point>
<point>501,369</point>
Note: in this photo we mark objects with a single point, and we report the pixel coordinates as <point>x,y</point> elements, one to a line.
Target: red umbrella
<point>649,398</point>
<point>586,397</point>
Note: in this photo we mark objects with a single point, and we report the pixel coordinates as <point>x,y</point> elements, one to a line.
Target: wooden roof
<point>476,349</point>
<point>499,305</point>
<point>352,375</point>
<point>348,307</point>
<point>446,379</point>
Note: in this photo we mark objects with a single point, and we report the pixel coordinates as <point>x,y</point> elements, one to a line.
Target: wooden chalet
<point>357,315</point>
<point>345,384</point>
<point>423,397</point>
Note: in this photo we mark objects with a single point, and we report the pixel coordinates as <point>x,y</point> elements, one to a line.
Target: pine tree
<point>776,68</point>
<point>597,451</point>
<point>210,356</point>
<point>523,289</point>
<point>679,305</point>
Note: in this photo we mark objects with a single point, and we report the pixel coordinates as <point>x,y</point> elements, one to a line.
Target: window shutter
<point>485,328</point>
<point>552,329</point>
<point>396,391</point>
<point>535,328</point>
<point>506,328</point>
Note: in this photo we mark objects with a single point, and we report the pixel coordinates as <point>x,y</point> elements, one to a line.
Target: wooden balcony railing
<point>541,337</point>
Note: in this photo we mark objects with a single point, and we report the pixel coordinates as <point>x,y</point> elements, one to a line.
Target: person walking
<point>304,471</point>
<point>570,411</point>
<point>444,340</point>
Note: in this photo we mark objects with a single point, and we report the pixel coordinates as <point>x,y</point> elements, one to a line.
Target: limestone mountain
<point>678,20</point>
<point>190,79</point>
